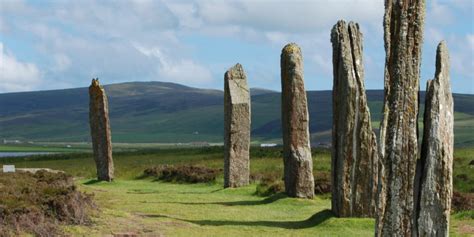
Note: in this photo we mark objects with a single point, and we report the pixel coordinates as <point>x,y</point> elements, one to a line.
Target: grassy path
<point>152,208</point>
<point>149,208</point>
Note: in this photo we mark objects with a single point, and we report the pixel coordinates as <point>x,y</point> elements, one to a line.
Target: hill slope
<point>168,112</point>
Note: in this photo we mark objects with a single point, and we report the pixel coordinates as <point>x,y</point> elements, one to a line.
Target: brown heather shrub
<point>182,173</point>
<point>322,183</point>
<point>37,203</point>
<point>462,201</point>
<point>268,183</point>
<point>272,183</point>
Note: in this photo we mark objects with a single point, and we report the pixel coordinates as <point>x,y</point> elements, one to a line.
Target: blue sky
<point>63,44</point>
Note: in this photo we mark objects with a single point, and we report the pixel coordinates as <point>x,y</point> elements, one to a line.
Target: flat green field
<point>147,207</point>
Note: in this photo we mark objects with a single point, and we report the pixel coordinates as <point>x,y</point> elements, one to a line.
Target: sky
<point>64,44</point>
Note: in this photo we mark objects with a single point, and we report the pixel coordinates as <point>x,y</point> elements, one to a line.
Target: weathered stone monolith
<point>298,164</point>
<point>434,173</point>
<point>354,168</point>
<point>100,131</point>
<point>236,128</point>
<point>403,35</point>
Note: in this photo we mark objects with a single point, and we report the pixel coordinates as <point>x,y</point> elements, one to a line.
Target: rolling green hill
<point>168,112</point>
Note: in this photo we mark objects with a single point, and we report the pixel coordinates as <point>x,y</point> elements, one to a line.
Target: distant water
<point>22,154</point>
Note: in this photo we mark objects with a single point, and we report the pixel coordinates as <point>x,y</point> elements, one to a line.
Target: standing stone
<point>434,177</point>
<point>298,170</point>
<point>236,128</point>
<point>354,168</point>
<point>100,131</point>
<point>403,28</point>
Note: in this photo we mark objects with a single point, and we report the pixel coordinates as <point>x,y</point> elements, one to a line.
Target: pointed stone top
<point>236,73</point>
<point>236,85</point>
<point>353,24</point>
<point>341,25</point>
<point>96,88</point>
<point>442,59</point>
<point>291,48</point>
<point>95,82</point>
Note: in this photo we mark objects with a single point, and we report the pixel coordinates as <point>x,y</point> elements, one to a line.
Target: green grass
<point>463,175</point>
<point>146,207</point>
<point>130,164</point>
<point>38,148</point>
<point>153,208</point>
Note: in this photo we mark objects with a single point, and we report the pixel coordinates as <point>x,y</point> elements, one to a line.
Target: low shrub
<point>37,203</point>
<point>462,201</point>
<point>322,183</point>
<point>268,183</point>
<point>272,183</point>
<point>182,173</point>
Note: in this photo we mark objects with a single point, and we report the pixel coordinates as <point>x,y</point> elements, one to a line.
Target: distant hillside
<point>168,112</point>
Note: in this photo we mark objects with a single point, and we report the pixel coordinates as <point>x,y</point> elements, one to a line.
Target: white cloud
<point>462,58</point>
<point>63,62</point>
<point>288,16</point>
<point>75,40</point>
<point>177,70</point>
<point>439,13</point>
<point>470,41</point>
<point>16,75</point>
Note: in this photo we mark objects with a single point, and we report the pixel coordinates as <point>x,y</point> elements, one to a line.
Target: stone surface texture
<point>403,35</point>
<point>298,164</point>
<point>434,181</point>
<point>100,131</point>
<point>236,128</point>
<point>354,169</point>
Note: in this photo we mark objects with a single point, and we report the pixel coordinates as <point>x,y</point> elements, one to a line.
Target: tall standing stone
<point>236,128</point>
<point>298,170</point>
<point>354,168</point>
<point>434,177</point>
<point>403,28</point>
<point>100,131</point>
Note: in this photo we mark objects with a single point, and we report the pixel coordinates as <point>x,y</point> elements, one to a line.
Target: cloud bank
<point>65,43</point>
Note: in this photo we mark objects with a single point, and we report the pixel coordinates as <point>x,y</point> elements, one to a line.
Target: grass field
<point>148,207</point>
